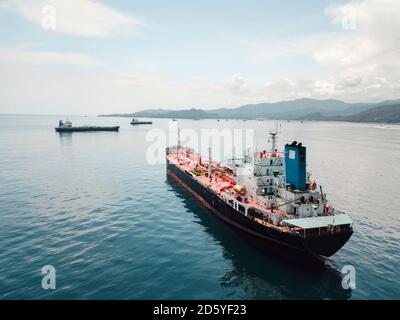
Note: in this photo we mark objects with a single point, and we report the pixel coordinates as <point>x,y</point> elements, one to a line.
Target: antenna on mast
<point>273,133</point>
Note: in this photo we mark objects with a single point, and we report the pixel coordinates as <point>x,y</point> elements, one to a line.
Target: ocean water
<point>114,226</point>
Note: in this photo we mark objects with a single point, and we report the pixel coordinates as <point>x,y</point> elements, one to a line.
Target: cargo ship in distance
<point>268,195</point>
<point>67,127</point>
<point>136,122</point>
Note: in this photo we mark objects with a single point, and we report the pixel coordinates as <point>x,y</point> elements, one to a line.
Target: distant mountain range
<point>386,113</point>
<point>301,109</point>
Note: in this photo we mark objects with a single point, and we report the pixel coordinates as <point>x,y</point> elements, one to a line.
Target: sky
<point>116,56</point>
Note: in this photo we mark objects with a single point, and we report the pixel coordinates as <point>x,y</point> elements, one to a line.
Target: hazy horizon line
<point>186,108</point>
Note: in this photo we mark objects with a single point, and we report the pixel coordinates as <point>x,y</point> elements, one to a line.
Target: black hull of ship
<point>86,129</point>
<point>142,122</point>
<point>268,239</point>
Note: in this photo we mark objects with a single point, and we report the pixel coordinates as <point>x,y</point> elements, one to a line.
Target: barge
<point>67,127</point>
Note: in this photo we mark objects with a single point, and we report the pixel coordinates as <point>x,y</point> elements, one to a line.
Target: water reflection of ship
<point>264,274</point>
<point>65,138</point>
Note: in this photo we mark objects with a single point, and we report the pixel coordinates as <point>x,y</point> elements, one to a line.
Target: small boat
<point>135,122</point>
<point>67,127</point>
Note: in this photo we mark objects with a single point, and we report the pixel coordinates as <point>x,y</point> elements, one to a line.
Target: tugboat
<point>67,127</point>
<point>268,195</point>
<point>135,122</point>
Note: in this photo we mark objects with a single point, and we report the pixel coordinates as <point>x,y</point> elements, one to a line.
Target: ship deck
<point>222,181</point>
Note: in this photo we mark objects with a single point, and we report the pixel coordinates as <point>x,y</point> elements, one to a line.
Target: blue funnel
<point>295,165</point>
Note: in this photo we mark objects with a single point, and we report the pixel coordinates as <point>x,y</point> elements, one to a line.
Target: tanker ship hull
<point>269,239</point>
<point>85,129</point>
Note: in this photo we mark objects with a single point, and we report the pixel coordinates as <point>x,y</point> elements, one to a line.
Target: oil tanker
<point>268,195</point>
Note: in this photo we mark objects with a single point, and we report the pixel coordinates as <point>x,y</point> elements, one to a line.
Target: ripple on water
<point>115,228</point>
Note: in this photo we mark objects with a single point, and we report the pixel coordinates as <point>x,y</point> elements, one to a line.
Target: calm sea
<point>114,227</point>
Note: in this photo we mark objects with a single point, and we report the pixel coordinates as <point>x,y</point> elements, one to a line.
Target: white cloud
<point>360,64</point>
<point>35,88</point>
<point>361,60</point>
<point>237,84</point>
<point>30,88</point>
<point>48,57</point>
<point>79,17</point>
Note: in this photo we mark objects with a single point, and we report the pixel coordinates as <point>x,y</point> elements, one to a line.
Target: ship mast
<point>179,137</point>
<point>179,144</point>
<point>209,163</point>
<point>273,134</point>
